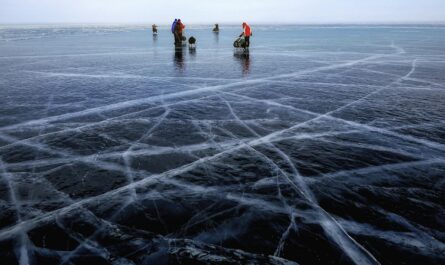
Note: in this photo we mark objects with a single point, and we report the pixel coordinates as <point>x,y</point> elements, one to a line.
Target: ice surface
<point>323,145</point>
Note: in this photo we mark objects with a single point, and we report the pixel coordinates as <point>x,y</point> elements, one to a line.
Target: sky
<point>222,11</point>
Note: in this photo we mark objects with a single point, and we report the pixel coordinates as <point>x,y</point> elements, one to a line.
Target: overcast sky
<point>222,11</point>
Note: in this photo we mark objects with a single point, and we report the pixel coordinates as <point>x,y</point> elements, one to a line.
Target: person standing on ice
<point>247,32</point>
<point>180,29</point>
<point>216,28</point>
<point>173,30</point>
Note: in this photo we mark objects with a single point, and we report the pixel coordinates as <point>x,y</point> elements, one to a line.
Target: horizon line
<point>230,23</point>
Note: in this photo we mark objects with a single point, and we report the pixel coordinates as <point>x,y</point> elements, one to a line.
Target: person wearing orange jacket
<point>247,33</point>
<point>180,29</point>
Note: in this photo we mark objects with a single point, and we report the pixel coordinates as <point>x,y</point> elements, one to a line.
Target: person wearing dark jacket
<point>216,29</point>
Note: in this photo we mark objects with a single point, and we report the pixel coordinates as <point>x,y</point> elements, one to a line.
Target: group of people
<point>178,27</point>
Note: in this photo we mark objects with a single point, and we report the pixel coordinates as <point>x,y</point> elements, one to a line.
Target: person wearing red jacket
<point>180,29</point>
<point>247,33</point>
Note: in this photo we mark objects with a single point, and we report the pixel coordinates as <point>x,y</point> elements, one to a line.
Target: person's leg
<point>244,43</point>
<point>176,38</point>
<point>248,42</point>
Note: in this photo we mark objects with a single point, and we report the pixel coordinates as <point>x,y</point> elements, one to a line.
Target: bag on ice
<point>239,43</point>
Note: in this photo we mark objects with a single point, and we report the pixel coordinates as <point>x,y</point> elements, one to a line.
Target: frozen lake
<point>323,145</point>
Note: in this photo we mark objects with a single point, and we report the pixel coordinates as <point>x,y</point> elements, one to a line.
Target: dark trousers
<point>178,38</point>
<point>247,44</point>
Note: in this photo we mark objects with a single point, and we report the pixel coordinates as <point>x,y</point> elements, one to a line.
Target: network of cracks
<point>341,163</point>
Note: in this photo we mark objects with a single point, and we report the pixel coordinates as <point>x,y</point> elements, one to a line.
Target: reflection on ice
<point>179,59</point>
<point>244,59</point>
